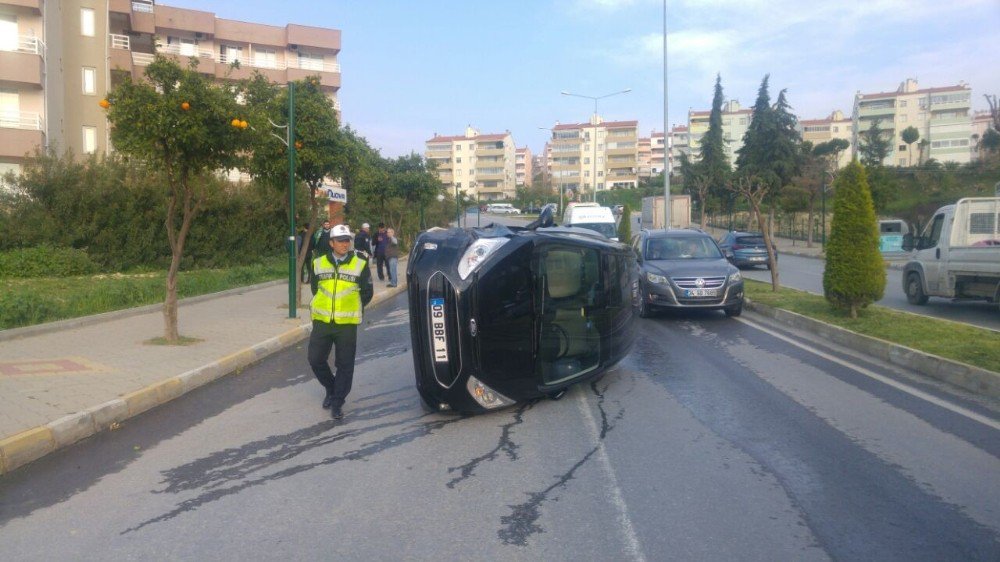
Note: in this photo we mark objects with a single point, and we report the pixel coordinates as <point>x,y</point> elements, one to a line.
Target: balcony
<point>35,5</point>
<point>24,64</point>
<point>20,133</point>
<point>876,110</point>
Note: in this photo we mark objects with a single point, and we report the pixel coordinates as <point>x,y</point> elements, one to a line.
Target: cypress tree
<point>625,225</point>
<point>855,273</point>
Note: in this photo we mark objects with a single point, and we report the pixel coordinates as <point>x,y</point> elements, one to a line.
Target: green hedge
<point>45,261</point>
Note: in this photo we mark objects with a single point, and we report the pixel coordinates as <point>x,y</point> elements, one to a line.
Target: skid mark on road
<point>505,444</point>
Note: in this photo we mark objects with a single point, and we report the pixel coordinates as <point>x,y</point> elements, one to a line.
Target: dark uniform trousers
<point>344,337</point>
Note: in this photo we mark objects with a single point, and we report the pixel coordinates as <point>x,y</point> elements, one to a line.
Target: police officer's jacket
<point>341,290</point>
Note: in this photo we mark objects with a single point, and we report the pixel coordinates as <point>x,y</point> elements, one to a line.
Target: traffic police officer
<point>342,287</point>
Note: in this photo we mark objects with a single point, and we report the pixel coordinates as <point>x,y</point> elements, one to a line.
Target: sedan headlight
<point>735,276</point>
<point>654,278</point>
<point>486,396</point>
<point>477,253</point>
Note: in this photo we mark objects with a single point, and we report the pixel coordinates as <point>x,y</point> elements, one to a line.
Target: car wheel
<point>915,290</point>
<point>645,311</point>
<point>735,310</point>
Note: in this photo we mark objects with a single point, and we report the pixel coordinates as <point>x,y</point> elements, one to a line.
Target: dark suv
<point>503,314</point>
<point>685,269</point>
<point>748,249</point>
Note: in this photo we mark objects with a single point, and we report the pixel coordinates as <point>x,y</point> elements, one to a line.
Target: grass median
<point>24,302</point>
<point>960,342</point>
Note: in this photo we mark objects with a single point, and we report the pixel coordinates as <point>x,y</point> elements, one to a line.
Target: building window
<point>586,160</point>
<point>89,140</point>
<point>229,54</point>
<point>87,22</point>
<point>458,185</point>
<point>89,81</point>
<point>458,147</point>
<point>183,46</point>
<point>902,103</point>
<point>586,173</point>
<point>10,108</point>
<point>265,58</point>
<point>308,61</point>
<point>902,148</point>
<point>8,32</point>
<point>458,159</point>
<point>836,129</point>
<point>458,172</point>
<point>902,161</point>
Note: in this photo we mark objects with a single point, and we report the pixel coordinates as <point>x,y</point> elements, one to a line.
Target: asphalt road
<point>807,274</point>
<point>715,439</point>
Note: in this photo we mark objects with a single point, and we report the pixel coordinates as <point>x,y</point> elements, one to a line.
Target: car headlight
<point>654,278</point>
<point>477,253</point>
<point>486,396</point>
<point>735,276</point>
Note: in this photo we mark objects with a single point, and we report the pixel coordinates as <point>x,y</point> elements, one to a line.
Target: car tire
<point>645,311</point>
<point>735,310</point>
<point>915,290</point>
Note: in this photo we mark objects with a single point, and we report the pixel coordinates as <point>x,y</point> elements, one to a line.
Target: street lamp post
<point>666,130</point>
<point>594,140</point>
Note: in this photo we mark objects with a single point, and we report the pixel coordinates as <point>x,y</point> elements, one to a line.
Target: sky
<point>413,68</point>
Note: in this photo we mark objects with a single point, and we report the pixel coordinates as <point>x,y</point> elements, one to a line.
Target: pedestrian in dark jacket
<point>363,240</point>
<point>321,240</point>
<point>381,241</point>
<point>392,256</point>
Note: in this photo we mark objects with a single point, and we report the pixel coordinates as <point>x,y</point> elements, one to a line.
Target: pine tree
<point>855,273</point>
<point>625,225</point>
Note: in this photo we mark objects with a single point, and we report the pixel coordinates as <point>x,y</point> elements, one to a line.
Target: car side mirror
<point>730,256</point>
<point>908,242</point>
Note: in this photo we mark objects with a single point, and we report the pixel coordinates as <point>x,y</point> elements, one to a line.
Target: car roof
<point>676,233</point>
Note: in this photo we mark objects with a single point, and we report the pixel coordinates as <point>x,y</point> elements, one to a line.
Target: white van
<point>593,217</point>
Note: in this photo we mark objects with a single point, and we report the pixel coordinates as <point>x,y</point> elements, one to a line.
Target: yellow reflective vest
<point>338,290</point>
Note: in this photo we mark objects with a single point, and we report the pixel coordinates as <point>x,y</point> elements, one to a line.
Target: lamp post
<point>594,140</point>
<point>553,131</point>
<point>823,210</point>
<point>289,141</point>
<point>666,130</point>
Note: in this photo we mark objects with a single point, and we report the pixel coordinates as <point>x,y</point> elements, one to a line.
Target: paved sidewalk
<point>60,386</point>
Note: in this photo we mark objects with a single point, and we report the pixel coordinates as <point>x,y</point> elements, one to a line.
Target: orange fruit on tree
<point>185,106</point>
<point>104,104</point>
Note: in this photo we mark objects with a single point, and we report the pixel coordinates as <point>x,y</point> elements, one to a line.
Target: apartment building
<point>981,122</point>
<point>657,150</point>
<point>477,165</point>
<point>596,155</point>
<point>644,157</point>
<point>836,126</point>
<point>523,167</point>
<point>735,122</point>
<point>58,59</point>
<point>941,115</point>
<point>679,144</point>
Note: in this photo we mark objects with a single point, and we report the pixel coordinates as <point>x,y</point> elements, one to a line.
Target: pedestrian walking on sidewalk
<point>380,242</point>
<point>363,241</point>
<point>392,257</point>
<point>342,287</point>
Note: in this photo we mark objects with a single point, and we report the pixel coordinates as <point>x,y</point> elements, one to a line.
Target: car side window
<point>934,232</point>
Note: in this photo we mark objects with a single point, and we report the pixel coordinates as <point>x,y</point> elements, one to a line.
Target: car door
<point>929,254</point>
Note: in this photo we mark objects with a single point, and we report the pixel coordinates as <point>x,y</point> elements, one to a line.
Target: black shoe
<point>328,401</point>
<point>336,412</point>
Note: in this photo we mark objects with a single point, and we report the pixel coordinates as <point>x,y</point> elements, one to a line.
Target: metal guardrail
<point>26,44</point>
<point>142,59</point>
<point>120,42</point>
<point>21,120</point>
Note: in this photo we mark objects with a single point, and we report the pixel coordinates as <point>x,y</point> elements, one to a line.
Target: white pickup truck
<point>958,254</point>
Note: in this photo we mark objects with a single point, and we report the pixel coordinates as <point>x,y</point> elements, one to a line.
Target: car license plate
<point>438,333</point>
<point>701,292</point>
<point>758,258</point>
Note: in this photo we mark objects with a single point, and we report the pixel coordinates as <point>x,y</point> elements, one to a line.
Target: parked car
<point>685,269</point>
<point>505,314</point>
<point>592,216</point>
<point>747,248</point>
<point>502,209</point>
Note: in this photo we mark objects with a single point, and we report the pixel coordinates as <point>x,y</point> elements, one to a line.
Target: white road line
<point>883,379</point>
<point>632,547</point>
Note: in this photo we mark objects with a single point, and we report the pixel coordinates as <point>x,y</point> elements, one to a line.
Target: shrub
<point>45,261</point>
<point>24,310</point>
<point>855,273</point>
<point>625,225</point>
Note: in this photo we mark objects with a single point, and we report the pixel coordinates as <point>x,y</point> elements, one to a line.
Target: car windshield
<point>606,228</point>
<point>750,241</point>
<point>681,249</point>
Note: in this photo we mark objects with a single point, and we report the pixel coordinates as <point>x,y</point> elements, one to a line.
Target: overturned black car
<point>502,314</point>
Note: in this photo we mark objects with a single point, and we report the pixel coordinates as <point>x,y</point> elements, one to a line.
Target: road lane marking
<point>632,546</point>
<point>881,378</point>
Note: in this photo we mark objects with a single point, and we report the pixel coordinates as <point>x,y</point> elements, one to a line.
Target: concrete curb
<point>70,323</point>
<point>964,376</point>
<point>27,446</point>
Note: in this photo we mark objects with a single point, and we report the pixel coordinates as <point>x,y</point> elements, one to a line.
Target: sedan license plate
<point>758,258</point>
<point>701,292</point>
<point>438,333</point>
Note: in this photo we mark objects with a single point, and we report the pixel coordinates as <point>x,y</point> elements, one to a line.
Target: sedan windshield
<point>750,241</point>
<point>681,249</point>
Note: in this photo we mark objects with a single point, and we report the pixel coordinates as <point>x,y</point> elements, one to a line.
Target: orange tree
<point>178,121</point>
